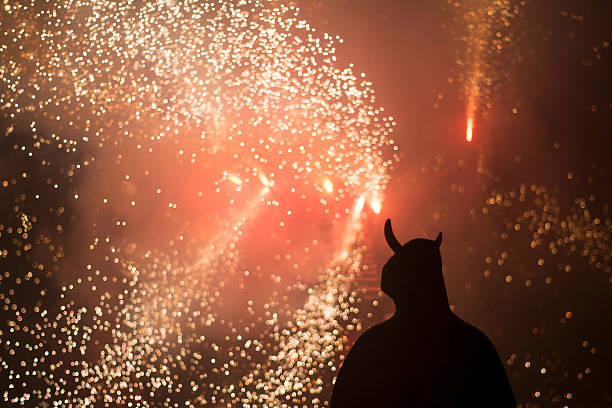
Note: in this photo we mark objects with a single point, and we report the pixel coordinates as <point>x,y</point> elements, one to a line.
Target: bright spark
<point>359,206</point>
<point>234,179</point>
<point>329,187</point>
<point>469,130</point>
<point>376,205</point>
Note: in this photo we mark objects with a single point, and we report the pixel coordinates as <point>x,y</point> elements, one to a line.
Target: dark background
<point>524,208</point>
<point>556,72</point>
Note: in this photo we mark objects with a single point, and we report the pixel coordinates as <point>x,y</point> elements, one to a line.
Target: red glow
<point>469,130</point>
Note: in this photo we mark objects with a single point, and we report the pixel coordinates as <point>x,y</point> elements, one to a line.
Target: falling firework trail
<point>486,34</point>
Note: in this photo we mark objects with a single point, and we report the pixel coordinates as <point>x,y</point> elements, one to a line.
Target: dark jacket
<point>424,356</point>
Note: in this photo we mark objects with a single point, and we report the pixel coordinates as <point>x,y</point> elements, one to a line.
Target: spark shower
<point>212,160</point>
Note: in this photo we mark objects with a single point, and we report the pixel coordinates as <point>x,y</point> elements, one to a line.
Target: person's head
<point>413,275</point>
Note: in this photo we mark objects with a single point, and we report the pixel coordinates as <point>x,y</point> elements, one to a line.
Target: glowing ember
<point>376,205</point>
<point>469,129</point>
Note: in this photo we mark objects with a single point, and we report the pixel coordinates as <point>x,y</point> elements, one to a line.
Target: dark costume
<point>424,356</point>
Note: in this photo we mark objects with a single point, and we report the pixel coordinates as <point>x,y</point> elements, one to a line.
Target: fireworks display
<point>189,130</point>
<point>192,193</point>
<point>487,33</point>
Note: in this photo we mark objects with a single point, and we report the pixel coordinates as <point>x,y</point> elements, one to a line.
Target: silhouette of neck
<point>426,306</point>
<point>420,312</point>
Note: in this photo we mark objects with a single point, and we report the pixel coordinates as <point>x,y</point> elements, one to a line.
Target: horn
<point>390,237</point>
<point>438,240</point>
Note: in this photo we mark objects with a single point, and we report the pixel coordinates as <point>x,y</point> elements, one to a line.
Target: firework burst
<point>187,147</point>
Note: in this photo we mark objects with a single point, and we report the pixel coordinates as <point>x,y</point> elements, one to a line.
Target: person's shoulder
<point>374,331</point>
<point>473,336</point>
<point>374,336</point>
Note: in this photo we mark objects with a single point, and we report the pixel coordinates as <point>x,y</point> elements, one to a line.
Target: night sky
<point>192,194</point>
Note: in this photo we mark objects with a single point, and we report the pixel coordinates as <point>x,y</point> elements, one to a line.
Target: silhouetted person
<point>423,356</point>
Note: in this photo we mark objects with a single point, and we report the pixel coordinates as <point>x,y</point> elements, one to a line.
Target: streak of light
<point>234,179</point>
<point>359,206</point>
<point>265,181</point>
<point>469,130</point>
<point>376,205</point>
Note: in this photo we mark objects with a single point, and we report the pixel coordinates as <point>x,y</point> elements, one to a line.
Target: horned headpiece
<point>395,244</point>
